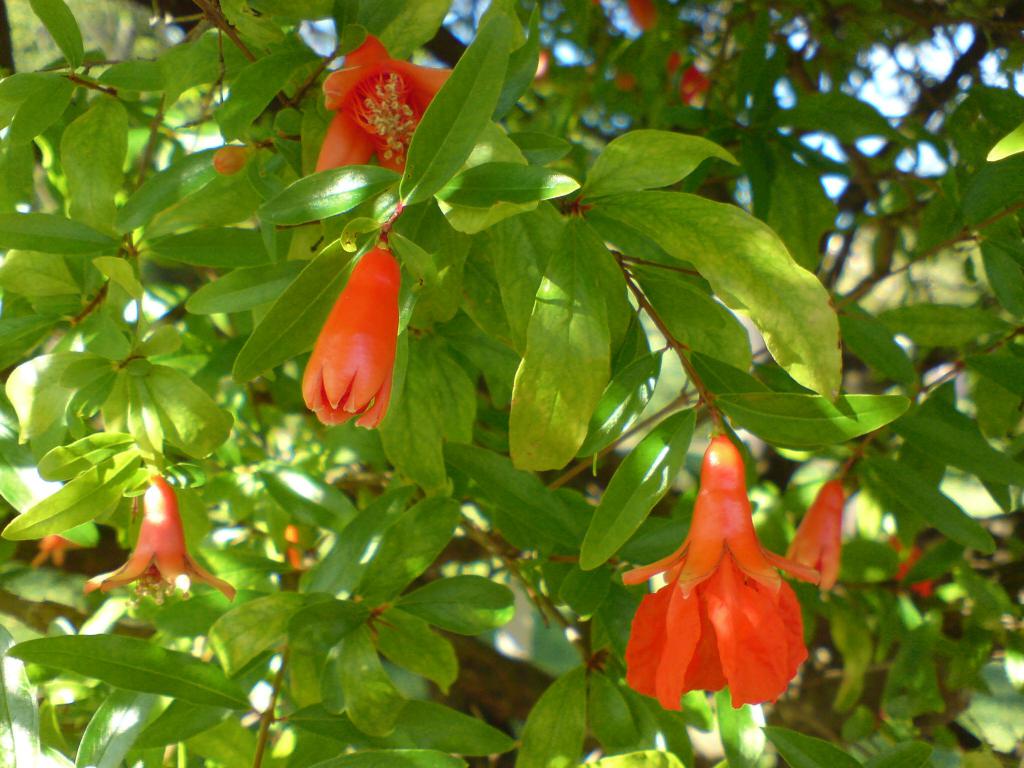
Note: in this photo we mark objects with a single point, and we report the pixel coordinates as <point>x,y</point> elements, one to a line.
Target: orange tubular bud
<point>161,563</point>
<point>378,103</point>
<point>644,14</point>
<point>228,161</point>
<point>818,540</point>
<point>724,603</point>
<point>349,372</point>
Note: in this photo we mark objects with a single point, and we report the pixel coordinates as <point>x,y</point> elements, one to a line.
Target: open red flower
<point>693,85</point>
<point>378,103</point>
<point>349,372</point>
<point>160,563</point>
<point>818,540</point>
<point>724,617</point>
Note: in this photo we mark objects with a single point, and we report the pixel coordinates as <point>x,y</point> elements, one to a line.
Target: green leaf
<point>518,493</point>
<point>458,113</point>
<point>393,758</point>
<point>218,247</point>
<point>403,26</point>
<point>371,699</point>
<point>873,343</point>
<point>1010,144</point>
<point>37,394</point>
<point>323,624</point>
<point>647,759</point>
<point>836,112</point>
<point>121,273</point>
<point>92,494</point>
<point>293,322</point>
<point>467,605</point>
<point>994,188</point>
<point>800,211</point>
<point>35,274</point>
<point>611,720</point>
<point>902,487</point>
<point>409,642</point>
<point>31,103</point>
<point>255,87</point>
<point>169,186</point>
<point>555,729</point>
<point>622,402</point>
<point>50,233</point>
<point>522,64</point>
<point>943,325</point>
<point>484,185</point>
<point>1004,275</point>
<point>436,405</point>
<point>135,665</point>
<point>694,317</point>
<point>646,159</point>
<point>244,632</point>
<point>66,461</point>
<point>566,364</point>
<point>809,420</point>
<point>19,715</point>
<point>748,267</point>
<point>308,498</point>
<point>135,75</point>
<point>61,24</point>
<point>92,151</point>
<point>909,754</point>
<point>802,751</point>
<point>244,289</point>
<point>540,148</point>
<point>1004,369</point>
<point>408,547</point>
<point>326,194</point>
<point>944,433</point>
<point>113,729</point>
<point>189,417</point>
<point>640,482</point>
<point>180,721</point>
<point>742,739</point>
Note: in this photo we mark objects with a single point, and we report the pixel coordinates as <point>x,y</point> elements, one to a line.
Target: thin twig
<point>86,82</point>
<point>101,294</point>
<point>267,718</point>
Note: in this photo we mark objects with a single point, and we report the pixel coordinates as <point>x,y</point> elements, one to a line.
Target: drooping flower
<point>229,160</point>
<point>644,14</point>
<point>378,103</point>
<point>818,540</point>
<point>693,85</point>
<point>52,548</point>
<point>160,563</point>
<point>349,372</point>
<point>724,616</point>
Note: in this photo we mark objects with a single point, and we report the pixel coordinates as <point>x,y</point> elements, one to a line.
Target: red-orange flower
<point>160,562</point>
<point>644,13</point>
<point>819,538</point>
<point>378,103</point>
<point>923,588</point>
<point>52,547</point>
<point>693,85</point>
<point>724,617</point>
<point>349,372</point>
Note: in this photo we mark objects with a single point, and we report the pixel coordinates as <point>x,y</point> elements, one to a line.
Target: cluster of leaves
<point>557,273</point>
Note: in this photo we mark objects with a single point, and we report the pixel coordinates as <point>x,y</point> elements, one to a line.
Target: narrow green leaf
<point>944,325</point>
<point>61,24</point>
<point>215,247</point>
<point>458,113</point>
<point>555,729</point>
<point>19,715</point>
<point>244,289</point>
<point>244,632</point>
<point>646,159</point>
<point>540,148</point>
<point>308,498</point>
<point>324,624</point>
<point>93,493</point>
<point>410,643</point>
<point>371,699</point>
<point>742,739</point>
<point>408,547</point>
<point>909,754</point>
<point>326,194</point>
<point>294,320</point>
<point>802,751</point>
<point>112,730</point>
<point>467,605</point>
<point>809,420</point>
<point>640,482</point>
<point>393,758</point>
<point>190,419</point>
<point>161,191</point>
<point>92,151</point>
<point>873,343</point>
<point>748,267</point>
<point>40,107</point>
<point>484,185</point>
<point>121,273</point>
<point>135,665</point>
<point>1004,369</point>
<point>254,88</point>
<point>622,402</point>
<point>522,66</point>
<point>996,186</point>
<point>180,721</point>
<point>566,364</point>
<point>67,461</point>
<point>611,719</point>
<point>647,759</point>
<point>50,233</point>
<point>903,487</point>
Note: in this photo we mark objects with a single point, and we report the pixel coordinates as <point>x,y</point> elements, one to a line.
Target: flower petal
<point>682,635</point>
<point>647,641</point>
<point>136,566</point>
<point>425,81</point>
<point>198,573</point>
<point>371,51</point>
<point>345,144</point>
<point>373,416</point>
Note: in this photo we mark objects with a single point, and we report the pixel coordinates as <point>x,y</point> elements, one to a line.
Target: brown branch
<point>267,718</point>
<point>211,10</point>
<point>86,82</point>
<point>101,294</point>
